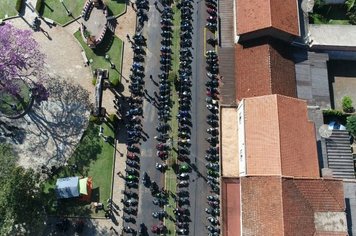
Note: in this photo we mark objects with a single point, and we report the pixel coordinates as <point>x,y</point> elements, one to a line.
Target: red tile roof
<point>264,67</point>
<point>255,15</point>
<point>279,139</point>
<point>286,206</point>
<point>231,206</point>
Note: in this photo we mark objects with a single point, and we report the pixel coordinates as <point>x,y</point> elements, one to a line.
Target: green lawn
<point>21,101</point>
<point>170,176</point>
<point>112,46</point>
<point>93,158</point>
<point>56,11</point>
<point>117,7</point>
<point>7,7</point>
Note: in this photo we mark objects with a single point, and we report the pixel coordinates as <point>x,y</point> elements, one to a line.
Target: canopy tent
<point>85,189</point>
<point>74,187</point>
<point>67,187</point>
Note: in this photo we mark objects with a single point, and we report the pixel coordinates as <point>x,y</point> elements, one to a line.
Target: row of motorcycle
<point>142,8</point>
<point>134,133</point>
<point>160,196</point>
<point>212,153</point>
<point>182,213</point>
<point>212,104</point>
<point>212,20</point>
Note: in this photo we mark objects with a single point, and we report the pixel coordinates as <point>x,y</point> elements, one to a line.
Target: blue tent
<point>67,187</point>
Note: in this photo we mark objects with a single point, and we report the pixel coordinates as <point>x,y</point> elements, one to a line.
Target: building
<point>271,181</point>
<point>275,137</point>
<point>277,189</point>
<point>274,205</point>
<point>276,18</point>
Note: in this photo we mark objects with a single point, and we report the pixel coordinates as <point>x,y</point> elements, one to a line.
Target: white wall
<point>241,138</point>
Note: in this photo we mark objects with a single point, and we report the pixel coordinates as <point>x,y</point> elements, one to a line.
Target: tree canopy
<point>21,209</point>
<point>20,59</point>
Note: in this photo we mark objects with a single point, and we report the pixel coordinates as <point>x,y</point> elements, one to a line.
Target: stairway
<point>339,154</point>
<point>226,15</point>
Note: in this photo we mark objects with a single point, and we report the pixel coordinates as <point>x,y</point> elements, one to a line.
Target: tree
<point>347,104</point>
<point>351,125</point>
<point>20,60</point>
<point>349,4</point>
<point>21,210</point>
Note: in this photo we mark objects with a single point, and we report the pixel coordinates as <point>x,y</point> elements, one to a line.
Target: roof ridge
<point>302,194</point>
<point>331,193</point>
<point>270,65</point>
<point>279,135</point>
<point>282,212</point>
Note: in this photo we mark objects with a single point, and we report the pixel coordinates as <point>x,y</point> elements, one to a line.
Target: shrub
<point>95,120</point>
<point>19,5</point>
<point>332,112</point>
<point>349,4</point>
<point>39,6</point>
<point>351,125</point>
<point>347,104</point>
<point>93,81</point>
<point>115,82</point>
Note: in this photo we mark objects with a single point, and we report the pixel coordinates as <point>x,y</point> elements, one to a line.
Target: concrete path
<point>29,11</point>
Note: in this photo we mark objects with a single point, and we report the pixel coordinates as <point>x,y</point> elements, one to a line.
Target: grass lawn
<point>116,7</point>
<point>21,102</point>
<point>170,176</point>
<point>112,46</point>
<point>55,10</point>
<point>93,158</point>
<point>7,7</point>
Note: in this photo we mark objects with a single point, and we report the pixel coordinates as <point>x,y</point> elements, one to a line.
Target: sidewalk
<point>29,12</point>
<point>126,25</point>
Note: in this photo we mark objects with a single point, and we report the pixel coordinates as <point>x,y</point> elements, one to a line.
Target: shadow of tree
<point>58,123</point>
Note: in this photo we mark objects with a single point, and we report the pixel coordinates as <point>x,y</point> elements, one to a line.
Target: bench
<point>49,21</point>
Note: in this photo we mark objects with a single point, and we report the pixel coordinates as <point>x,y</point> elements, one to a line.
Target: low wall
<point>335,1</point>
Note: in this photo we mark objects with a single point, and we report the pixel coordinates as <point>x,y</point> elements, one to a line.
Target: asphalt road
<point>151,32</point>
<point>198,186</point>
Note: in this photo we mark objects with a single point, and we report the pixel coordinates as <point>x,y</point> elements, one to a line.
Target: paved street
<point>151,31</point>
<point>198,186</point>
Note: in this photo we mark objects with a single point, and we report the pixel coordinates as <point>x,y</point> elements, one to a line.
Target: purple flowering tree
<point>21,61</point>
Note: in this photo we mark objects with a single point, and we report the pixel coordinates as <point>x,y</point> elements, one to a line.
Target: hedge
<point>19,5</point>
<point>39,6</point>
<point>332,112</point>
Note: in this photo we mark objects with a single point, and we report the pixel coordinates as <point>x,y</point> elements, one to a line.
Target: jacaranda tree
<point>21,61</point>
